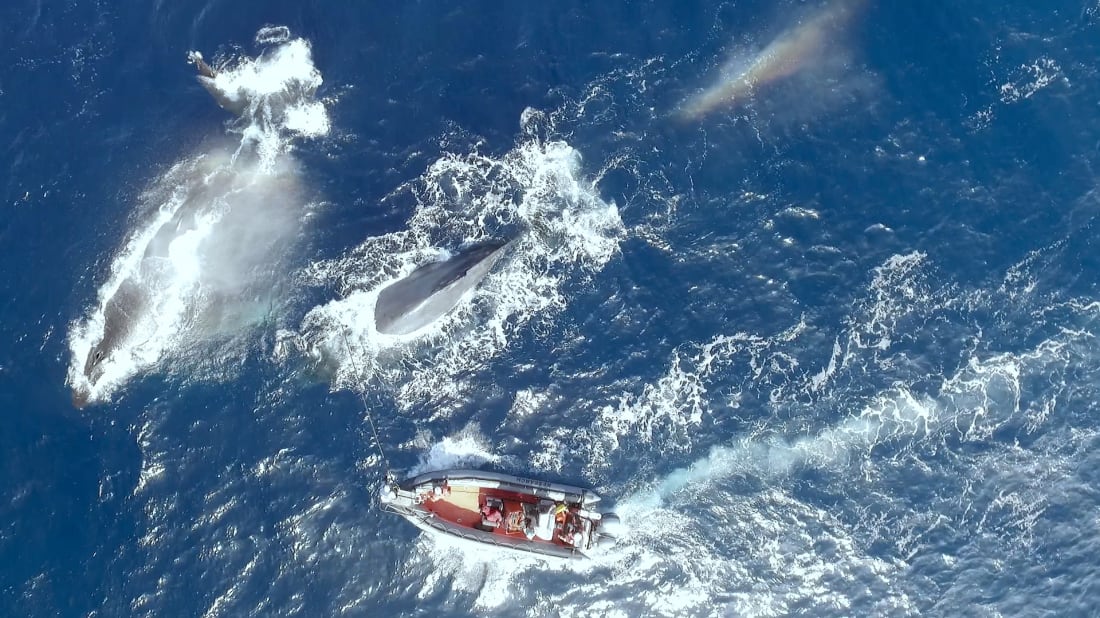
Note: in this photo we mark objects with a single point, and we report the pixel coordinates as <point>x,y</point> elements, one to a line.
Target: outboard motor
<point>386,494</point>
<point>610,529</point>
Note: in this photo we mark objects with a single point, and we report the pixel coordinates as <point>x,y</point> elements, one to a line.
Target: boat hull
<point>533,516</point>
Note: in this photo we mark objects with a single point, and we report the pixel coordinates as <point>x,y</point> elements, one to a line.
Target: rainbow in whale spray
<point>814,43</point>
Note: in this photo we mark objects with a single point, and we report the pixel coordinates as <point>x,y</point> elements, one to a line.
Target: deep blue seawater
<point>831,350</point>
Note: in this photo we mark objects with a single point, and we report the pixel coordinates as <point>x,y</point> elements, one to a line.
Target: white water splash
<point>277,93</point>
<point>468,448</point>
<point>537,191</point>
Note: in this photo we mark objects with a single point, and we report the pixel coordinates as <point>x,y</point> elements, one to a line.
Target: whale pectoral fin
<point>95,357</point>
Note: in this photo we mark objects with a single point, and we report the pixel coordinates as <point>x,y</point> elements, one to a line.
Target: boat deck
<point>462,506</point>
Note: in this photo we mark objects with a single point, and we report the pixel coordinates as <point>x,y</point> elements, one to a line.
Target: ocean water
<point>808,291</point>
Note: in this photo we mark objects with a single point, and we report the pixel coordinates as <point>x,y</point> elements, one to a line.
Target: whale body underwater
<point>123,308</point>
<point>211,181</point>
<point>429,292</point>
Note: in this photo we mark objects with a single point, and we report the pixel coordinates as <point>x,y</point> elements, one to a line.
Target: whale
<point>433,289</point>
<point>130,301</point>
<point>119,314</point>
<point>796,49</point>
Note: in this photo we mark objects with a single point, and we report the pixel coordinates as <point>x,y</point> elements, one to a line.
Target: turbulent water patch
<point>838,494</point>
<point>536,193</point>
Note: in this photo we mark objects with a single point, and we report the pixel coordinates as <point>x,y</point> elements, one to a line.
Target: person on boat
<point>529,529</point>
<point>560,511</point>
<point>491,514</point>
<point>567,536</point>
<point>439,492</point>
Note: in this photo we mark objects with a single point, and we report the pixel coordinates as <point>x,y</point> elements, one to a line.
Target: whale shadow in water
<point>432,290</point>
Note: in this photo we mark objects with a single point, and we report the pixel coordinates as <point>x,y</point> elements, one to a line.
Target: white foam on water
<point>763,554</point>
<point>206,228</point>
<point>468,448</point>
<point>899,288</point>
<point>1031,78</point>
<point>670,411</point>
<point>486,573</point>
<point>537,191</point>
<point>726,534</point>
<point>1019,83</point>
<point>980,398</point>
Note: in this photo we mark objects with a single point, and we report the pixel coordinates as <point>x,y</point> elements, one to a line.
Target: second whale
<point>430,291</point>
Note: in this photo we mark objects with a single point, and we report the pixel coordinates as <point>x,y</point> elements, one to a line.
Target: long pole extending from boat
<point>366,409</point>
<point>407,499</point>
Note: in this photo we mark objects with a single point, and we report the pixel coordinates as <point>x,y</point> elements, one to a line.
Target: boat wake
<point>210,232</point>
<point>917,476</point>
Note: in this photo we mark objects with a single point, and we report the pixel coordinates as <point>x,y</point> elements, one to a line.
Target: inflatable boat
<point>513,512</point>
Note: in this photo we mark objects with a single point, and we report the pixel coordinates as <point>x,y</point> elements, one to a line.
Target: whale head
<point>96,355</point>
